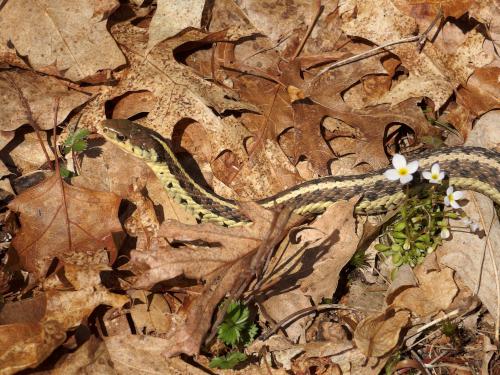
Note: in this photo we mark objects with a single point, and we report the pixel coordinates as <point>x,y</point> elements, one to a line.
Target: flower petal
<point>427,175</point>
<point>457,195</point>
<point>455,205</point>
<point>405,179</point>
<point>412,166</point>
<point>449,190</point>
<point>441,175</point>
<point>445,233</point>
<point>398,161</point>
<point>435,168</point>
<point>392,174</point>
<point>446,201</point>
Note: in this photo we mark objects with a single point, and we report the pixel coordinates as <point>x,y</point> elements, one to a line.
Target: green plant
<point>422,223</point>
<point>75,142</point>
<point>236,330</point>
<point>417,229</point>
<point>228,361</point>
<point>449,329</point>
<point>359,259</point>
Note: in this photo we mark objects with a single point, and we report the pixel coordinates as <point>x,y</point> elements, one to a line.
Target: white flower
<point>445,233</point>
<point>402,171</point>
<point>435,176</point>
<point>452,197</point>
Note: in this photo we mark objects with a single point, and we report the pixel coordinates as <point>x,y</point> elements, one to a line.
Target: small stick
<point>309,28</point>
<point>420,39</point>
<point>59,178</point>
<point>304,312</point>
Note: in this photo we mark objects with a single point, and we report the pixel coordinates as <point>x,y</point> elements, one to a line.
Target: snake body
<point>467,168</point>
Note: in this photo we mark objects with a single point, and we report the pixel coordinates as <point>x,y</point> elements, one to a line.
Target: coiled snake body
<point>468,168</point>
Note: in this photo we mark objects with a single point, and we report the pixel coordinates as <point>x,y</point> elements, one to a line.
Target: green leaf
<point>228,361</point>
<point>65,173</point>
<point>382,247</point>
<point>400,226</point>
<point>235,327</point>
<point>76,141</point>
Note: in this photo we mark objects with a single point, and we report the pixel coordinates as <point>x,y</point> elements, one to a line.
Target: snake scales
<point>468,168</point>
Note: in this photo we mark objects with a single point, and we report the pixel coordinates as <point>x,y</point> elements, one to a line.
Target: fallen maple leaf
<point>59,220</point>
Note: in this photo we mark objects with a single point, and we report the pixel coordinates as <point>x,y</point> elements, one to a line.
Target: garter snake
<point>468,168</point>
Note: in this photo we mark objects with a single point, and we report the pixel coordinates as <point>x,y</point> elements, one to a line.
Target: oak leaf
<point>60,220</point>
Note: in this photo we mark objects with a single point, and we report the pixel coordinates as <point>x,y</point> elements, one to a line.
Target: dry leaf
<point>72,307</point>
<point>172,17</point>
<point>377,335</point>
<point>58,220</point>
<point>68,39</point>
<point>225,269</point>
<point>92,358</point>
<point>41,92</point>
<point>426,299</point>
<point>25,345</point>
<point>130,353</point>
<point>470,249</point>
<point>431,73</point>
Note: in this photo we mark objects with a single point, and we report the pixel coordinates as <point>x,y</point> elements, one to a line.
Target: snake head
<point>134,138</point>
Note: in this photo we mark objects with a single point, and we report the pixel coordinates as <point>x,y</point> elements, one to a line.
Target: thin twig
<point>31,120</point>
<point>309,28</point>
<point>420,39</point>
<point>493,263</point>
<point>59,178</point>
<point>450,315</point>
<point>304,312</point>
<point>419,360</point>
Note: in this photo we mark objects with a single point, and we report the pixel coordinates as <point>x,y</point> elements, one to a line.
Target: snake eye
<point>121,137</point>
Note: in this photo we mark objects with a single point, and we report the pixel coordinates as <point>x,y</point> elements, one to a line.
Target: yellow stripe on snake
<point>467,168</point>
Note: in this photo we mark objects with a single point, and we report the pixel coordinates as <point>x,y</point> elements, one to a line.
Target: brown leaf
<point>481,93</point>
<point>59,220</point>
<point>478,251</point>
<point>71,308</point>
<point>68,308</point>
<point>226,269</point>
<point>27,345</point>
<point>171,18</point>
<point>426,299</point>
<point>69,39</point>
<point>92,358</point>
<point>431,73</point>
<point>313,262</point>
<point>377,335</point>
<point>40,92</point>
<point>129,353</point>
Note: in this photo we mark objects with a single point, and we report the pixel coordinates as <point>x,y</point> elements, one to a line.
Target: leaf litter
<point>256,97</point>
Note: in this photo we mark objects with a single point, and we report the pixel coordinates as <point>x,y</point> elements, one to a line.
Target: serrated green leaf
<point>228,361</point>
<point>236,327</point>
<point>76,141</point>
<point>65,173</point>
